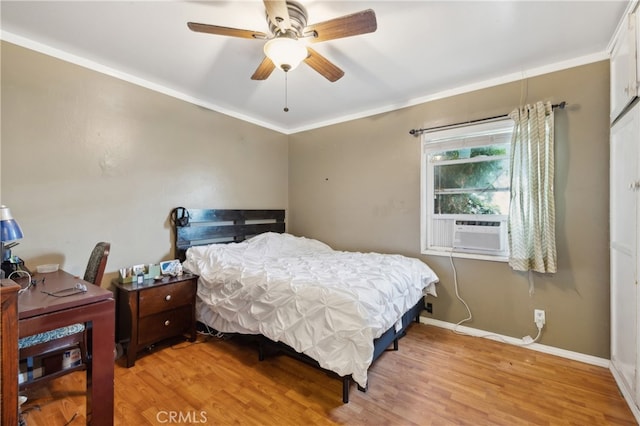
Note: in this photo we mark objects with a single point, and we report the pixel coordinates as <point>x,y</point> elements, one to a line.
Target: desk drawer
<point>166,297</point>
<point>154,328</point>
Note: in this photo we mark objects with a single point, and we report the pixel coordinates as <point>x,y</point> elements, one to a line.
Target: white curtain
<point>532,240</point>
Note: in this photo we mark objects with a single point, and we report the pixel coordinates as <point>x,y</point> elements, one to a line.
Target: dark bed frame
<point>205,226</point>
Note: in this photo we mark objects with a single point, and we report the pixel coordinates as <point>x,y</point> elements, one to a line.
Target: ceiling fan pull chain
<point>286,108</point>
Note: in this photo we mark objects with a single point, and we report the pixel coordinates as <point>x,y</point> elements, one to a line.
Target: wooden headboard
<point>207,226</point>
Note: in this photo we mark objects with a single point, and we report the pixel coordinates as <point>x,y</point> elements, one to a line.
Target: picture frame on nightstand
<point>169,267</point>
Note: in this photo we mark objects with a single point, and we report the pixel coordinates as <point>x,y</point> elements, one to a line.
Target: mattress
<point>327,304</point>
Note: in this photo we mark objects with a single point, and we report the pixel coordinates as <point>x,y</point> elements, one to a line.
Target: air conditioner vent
<point>479,235</point>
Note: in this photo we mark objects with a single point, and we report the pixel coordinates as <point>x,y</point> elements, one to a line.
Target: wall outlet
<point>539,317</point>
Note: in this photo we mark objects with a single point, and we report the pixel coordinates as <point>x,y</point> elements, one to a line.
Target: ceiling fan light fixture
<point>285,52</point>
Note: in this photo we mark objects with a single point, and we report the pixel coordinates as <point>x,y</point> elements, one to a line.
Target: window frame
<point>487,132</point>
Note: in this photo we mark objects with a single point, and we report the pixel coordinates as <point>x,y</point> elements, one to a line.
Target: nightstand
<point>154,311</point>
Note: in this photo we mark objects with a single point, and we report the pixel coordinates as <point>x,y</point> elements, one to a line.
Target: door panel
<point>624,182</point>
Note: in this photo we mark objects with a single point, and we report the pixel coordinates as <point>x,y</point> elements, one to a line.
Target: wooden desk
<point>39,312</point>
<point>9,343</point>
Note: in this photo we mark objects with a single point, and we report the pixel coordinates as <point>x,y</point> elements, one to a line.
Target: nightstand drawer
<point>170,323</point>
<point>165,297</point>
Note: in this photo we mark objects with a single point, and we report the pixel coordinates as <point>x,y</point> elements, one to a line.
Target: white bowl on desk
<point>43,269</point>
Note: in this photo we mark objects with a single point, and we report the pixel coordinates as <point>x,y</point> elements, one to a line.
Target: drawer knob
<point>167,297</point>
<point>167,322</point>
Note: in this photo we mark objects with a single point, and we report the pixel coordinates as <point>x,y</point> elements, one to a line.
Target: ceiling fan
<point>287,45</point>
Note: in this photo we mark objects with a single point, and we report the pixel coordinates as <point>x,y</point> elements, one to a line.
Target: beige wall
<point>356,186</point>
<point>87,157</point>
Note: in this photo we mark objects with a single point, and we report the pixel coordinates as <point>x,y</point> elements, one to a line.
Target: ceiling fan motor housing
<point>297,18</point>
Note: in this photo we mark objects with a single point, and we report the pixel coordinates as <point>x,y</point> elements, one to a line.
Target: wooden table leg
<point>100,371</point>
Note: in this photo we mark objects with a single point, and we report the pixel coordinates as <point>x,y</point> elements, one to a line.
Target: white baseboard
<point>625,392</point>
<point>576,356</point>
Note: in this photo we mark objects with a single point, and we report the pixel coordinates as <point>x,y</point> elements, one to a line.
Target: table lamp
<point>9,231</point>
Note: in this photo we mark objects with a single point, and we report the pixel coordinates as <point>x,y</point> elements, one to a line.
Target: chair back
<point>97,263</point>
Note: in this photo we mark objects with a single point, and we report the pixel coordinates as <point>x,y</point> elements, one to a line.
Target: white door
<point>625,182</point>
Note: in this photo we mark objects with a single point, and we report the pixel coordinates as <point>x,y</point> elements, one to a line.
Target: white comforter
<point>327,304</point>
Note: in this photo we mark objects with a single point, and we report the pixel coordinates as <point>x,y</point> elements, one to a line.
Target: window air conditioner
<point>480,235</point>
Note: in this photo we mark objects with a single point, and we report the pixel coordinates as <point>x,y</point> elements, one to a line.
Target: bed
<point>336,310</point>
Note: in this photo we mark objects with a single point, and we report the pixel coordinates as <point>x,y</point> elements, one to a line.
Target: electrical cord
<point>490,336</point>
<point>211,332</point>
<point>71,419</point>
<point>455,282</point>
<point>31,281</point>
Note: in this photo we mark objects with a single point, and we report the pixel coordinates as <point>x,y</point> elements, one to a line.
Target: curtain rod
<point>417,132</point>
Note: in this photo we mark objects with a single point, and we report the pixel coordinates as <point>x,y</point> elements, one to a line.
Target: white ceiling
<point>421,50</point>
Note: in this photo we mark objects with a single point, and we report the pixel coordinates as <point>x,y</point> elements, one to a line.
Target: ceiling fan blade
<point>278,13</point>
<point>323,66</point>
<point>346,26</point>
<point>225,31</point>
<point>264,70</point>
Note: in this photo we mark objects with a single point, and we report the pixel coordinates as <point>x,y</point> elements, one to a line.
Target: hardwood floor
<point>436,378</point>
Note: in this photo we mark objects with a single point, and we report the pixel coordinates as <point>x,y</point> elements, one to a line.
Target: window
<point>465,190</point>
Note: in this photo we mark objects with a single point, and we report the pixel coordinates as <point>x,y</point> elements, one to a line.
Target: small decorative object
<point>132,274</point>
<point>138,269</point>
<point>170,267</point>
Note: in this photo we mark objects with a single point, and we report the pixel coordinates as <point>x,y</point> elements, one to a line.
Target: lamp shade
<point>286,53</point>
<point>9,228</point>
